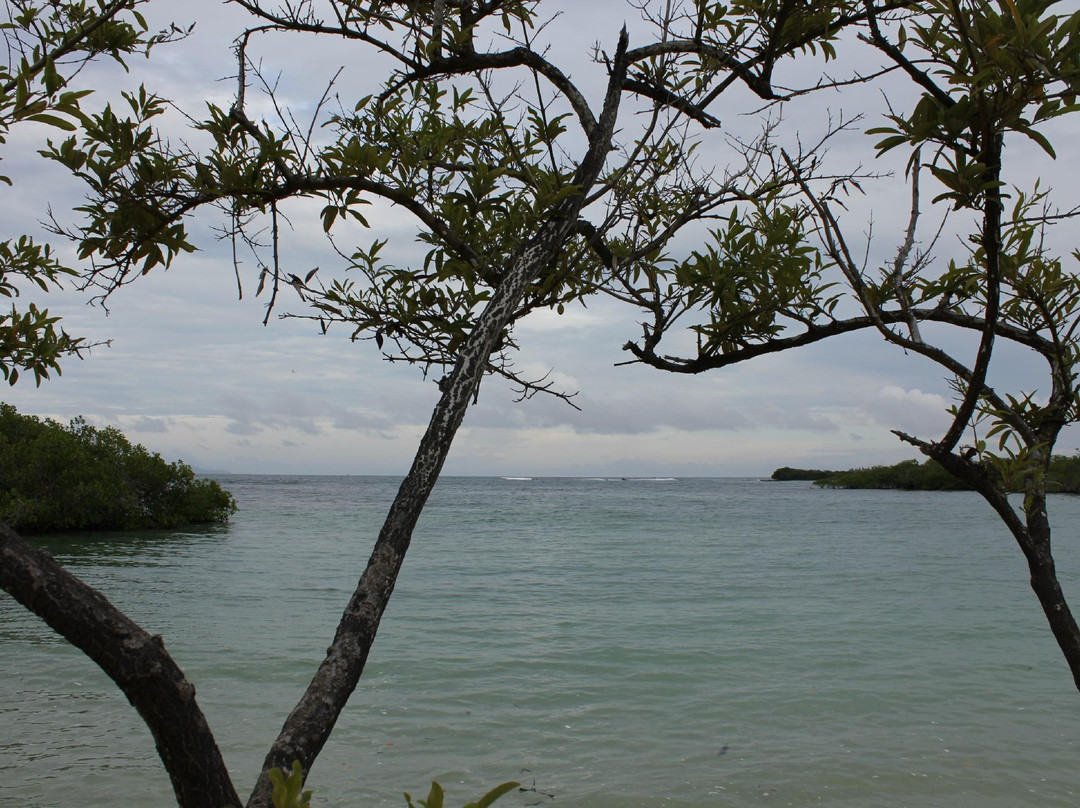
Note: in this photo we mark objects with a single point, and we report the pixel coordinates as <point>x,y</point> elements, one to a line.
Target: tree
<point>47,45</point>
<point>527,197</point>
<point>990,77</point>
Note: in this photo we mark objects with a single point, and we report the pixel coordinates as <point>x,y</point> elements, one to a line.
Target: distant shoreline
<point>910,475</point>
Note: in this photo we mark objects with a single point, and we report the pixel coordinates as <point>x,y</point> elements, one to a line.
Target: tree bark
<point>1035,544</point>
<point>1032,534</point>
<point>135,660</point>
<point>309,725</point>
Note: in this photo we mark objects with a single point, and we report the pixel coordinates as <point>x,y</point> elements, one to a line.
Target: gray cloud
<point>147,424</point>
<point>243,428</point>
<point>374,424</point>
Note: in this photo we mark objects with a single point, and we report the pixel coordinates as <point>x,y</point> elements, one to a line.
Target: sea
<point>604,642</point>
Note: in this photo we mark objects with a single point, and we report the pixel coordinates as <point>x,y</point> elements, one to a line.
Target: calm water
<point>608,643</point>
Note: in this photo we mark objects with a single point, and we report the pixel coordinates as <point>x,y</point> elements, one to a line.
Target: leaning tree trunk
<point>1035,544</point>
<point>309,725</point>
<point>135,660</point>
<point>1033,536</point>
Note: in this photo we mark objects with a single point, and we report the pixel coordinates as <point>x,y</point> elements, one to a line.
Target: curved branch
<point>516,57</point>
<point>280,23</point>
<point>136,661</point>
<point>991,245</point>
<point>760,84</point>
<point>666,98</point>
<point>920,77</point>
<point>672,47</point>
<point>834,328</point>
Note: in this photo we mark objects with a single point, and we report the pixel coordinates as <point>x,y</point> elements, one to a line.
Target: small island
<point>78,477</point>
<point>911,475</point>
<point>787,474</point>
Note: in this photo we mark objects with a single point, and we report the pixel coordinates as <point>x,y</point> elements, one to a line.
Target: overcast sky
<point>193,374</point>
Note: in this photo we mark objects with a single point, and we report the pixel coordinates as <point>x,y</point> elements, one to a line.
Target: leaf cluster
<point>123,160</point>
<point>989,68</point>
<point>758,270</point>
<point>479,179</point>
<point>289,788</point>
<point>30,340</point>
<point>46,44</point>
<point>1038,306</point>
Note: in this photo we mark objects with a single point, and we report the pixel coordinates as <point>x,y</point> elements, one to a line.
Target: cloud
<point>908,410</point>
<point>574,318</point>
<point>243,428</point>
<point>355,421</point>
<point>652,410</point>
<point>146,424</point>
<point>793,416</point>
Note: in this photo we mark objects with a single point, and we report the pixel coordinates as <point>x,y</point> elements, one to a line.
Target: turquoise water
<point>605,642</point>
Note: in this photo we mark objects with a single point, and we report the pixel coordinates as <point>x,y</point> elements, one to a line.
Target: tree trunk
<point>135,660</point>
<point>1033,536</point>
<point>309,725</point>
<point>1035,543</point>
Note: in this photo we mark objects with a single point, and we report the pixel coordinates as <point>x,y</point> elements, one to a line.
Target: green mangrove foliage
<point>79,477</point>
<point>1062,477</point>
<point>908,475</point>
<point>787,474</point>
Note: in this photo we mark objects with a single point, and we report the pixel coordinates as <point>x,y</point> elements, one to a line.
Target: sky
<point>193,374</point>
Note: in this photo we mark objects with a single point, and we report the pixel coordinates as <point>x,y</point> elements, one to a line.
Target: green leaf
<point>486,800</point>
<point>287,790</point>
<point>1039,138</point>
<point>329,214</point>
<point>435,796</point>
<point>53,120</point>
